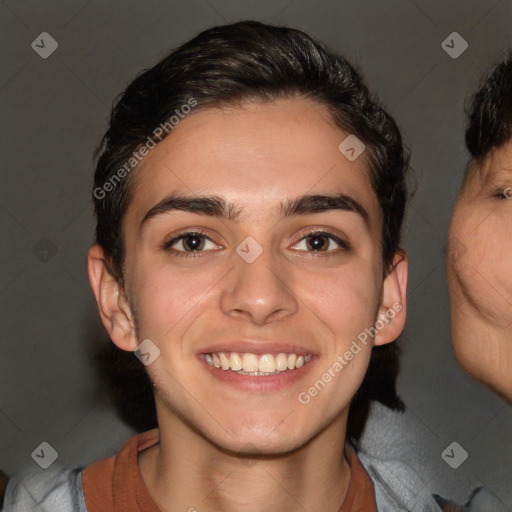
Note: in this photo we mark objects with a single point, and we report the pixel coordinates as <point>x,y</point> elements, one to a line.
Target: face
<point>277,281</point>
<point>479,277</point>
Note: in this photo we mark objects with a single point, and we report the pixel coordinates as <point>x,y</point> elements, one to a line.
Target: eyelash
<point>166,246</point>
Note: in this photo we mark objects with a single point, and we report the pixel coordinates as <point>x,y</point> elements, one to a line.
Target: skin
<point>478,269</point>
<point>255,156</point>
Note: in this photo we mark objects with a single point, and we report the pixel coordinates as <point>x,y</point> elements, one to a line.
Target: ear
<point>393,303</point>
<point>112,302</point>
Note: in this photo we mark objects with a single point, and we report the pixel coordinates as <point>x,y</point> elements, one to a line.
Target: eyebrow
<point>215,206</point>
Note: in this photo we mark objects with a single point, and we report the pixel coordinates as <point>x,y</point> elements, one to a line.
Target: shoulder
<point>395,450</point>
<point>58,490</point>
<point>403,459</point>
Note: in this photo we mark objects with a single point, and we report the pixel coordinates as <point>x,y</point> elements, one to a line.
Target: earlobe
<point>111,299</point>
<point>393,307</point>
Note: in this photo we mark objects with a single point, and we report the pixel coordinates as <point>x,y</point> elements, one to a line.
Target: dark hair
<point>490,111</point>
<point>252,61</point>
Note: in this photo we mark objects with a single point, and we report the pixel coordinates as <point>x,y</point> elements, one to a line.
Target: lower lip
<point>262,383</point>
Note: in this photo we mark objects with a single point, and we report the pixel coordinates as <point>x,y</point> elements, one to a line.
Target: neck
<point>185,471</point>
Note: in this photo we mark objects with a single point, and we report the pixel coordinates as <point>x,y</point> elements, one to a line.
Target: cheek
<point>346,301</point>
<point>484,265</point>
<point>495,257</point>
<point>166,298</point>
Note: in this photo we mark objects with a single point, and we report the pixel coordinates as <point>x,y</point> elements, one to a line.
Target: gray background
<point>54,112</point>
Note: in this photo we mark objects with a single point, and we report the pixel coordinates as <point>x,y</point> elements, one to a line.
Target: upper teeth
<point>265,363</point>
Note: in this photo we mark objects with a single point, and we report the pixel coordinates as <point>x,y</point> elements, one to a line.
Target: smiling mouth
<point>256,364</point>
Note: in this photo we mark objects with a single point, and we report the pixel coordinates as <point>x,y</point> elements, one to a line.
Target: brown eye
<point>317,242</point>
<point>188,244</point>
<point>320,241</point>
<point>193,242</point>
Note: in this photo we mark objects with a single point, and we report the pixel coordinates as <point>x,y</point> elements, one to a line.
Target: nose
<point>258,290</point>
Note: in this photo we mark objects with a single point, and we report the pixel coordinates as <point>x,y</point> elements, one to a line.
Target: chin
<point>501,387</point>
<point>253,445</point>
<point>264,439</point>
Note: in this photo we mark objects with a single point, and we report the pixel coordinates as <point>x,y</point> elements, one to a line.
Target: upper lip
<point>256,347</point>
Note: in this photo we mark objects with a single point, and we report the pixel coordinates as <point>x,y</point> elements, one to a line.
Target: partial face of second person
<point>480,271</point>
<point>305,294</point>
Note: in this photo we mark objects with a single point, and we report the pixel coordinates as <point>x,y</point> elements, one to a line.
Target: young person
<point>480,247</point>
<point>249,198</point>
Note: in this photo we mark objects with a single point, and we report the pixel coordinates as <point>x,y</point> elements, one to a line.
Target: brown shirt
<point>115,484</point>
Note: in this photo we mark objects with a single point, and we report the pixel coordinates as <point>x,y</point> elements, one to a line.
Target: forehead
<point>253,155</point>
<point>495,165</point>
